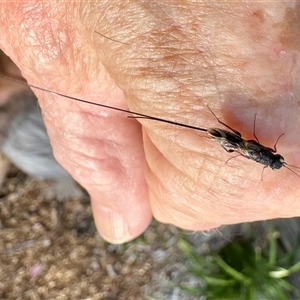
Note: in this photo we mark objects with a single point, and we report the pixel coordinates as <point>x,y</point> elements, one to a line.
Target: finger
<point>176,73</point>
<point>100,148</point>
<point>201,191</point>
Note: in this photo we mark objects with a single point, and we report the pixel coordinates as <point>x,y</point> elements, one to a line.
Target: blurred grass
<point>243,270</point>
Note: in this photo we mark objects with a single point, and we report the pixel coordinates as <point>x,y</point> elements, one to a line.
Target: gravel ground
<point>49,249</point>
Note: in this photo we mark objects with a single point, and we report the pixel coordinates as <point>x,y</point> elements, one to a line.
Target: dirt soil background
<point>50,249</point>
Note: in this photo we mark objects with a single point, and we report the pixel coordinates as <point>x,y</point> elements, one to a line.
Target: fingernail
<point>112,227</point>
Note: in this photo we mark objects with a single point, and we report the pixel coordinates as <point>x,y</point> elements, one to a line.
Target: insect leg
<point>227,150</point>
<point>232,157</point>
<point>254,125</point>
<point>262,173</point>
<point>233,130</point>
<point>275,150</point>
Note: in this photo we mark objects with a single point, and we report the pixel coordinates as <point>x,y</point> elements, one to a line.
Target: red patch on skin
<point>289,35</point>
<point>258,15</point>
<point>256,22</point>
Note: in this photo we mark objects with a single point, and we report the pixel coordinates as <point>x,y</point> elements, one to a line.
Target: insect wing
<point>228,140</point>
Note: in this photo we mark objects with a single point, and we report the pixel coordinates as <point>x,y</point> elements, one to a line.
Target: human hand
<point>177,59</point>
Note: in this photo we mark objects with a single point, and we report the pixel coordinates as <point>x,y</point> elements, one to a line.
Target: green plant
<point>241,271</point>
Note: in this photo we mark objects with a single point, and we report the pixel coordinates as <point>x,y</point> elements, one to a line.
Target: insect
<point>230,141</point>
<point>251,149</point>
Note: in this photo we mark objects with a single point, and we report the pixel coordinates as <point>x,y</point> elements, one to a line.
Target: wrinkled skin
<point>240,59</point>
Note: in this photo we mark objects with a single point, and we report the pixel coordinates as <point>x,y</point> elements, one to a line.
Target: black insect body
<point>250,149</point>
<point>231,141</point>
<point>262,155</point>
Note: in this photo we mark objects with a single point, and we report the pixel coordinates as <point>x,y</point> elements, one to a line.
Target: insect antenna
<point>287,166</point>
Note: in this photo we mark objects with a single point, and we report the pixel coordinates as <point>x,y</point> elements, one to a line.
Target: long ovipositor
<point>231,141</point>
<point>132,113</point>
